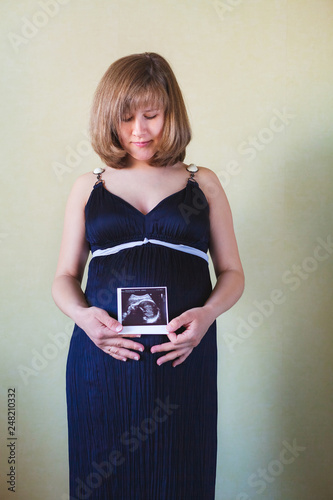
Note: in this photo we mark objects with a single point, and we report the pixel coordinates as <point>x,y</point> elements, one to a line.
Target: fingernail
<point>124,359</point>
<point>136,358</point>
<point>118,328</point>
<point>141,349</point>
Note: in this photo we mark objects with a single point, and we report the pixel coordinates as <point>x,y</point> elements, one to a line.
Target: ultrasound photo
<point>143,309</point>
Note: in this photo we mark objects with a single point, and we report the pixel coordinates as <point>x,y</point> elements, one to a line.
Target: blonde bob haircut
<point>130,83</point>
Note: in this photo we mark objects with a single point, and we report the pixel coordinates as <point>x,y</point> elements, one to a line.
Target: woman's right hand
<point>104,330</point>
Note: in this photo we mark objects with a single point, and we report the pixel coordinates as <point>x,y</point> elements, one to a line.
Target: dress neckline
<point>189,181</point>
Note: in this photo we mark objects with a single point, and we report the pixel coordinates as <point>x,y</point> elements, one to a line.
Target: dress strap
<point>98,172</point>
<point>193,170</point>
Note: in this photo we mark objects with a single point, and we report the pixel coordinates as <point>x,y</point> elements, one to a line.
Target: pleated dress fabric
<point>139,431</point>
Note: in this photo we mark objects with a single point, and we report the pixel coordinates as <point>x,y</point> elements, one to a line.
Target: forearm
<point>68,295</point>
<point>227,291</point>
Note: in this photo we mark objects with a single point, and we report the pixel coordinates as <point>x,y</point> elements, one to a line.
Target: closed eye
<point>128,119</point>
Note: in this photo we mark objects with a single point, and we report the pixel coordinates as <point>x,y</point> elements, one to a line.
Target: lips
<point>141,144</point>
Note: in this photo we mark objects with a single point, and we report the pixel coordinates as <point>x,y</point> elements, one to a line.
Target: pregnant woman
<point>142,408</point>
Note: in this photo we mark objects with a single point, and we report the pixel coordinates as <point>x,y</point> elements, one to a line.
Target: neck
<point>137,164</point>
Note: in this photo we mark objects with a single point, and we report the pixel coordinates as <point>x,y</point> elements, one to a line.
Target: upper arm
<point>74,249</point>
<point>223,245</point>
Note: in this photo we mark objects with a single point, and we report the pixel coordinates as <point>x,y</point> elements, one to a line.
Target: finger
<point>169,357</point>
<point>177,322</point>
<point>115,356</point>
<point>127,344</point>
<point>109,322</point>
<point>122,342</point>
<point>180,360</point>
<point>173,337</point>
<point>165,359</point>
<point>167,346</point>
<point>122,353</point>
<point>181,338</point>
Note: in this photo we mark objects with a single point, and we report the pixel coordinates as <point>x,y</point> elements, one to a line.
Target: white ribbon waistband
<point>131,244</point>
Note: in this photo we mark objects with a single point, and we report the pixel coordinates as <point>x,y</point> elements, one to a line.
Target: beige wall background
<point>257,78</point>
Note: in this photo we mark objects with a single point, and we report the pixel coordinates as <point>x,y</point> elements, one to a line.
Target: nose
<point>139,126</point>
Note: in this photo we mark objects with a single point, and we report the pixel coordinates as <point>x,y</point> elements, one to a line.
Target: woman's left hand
<point>196,322</point>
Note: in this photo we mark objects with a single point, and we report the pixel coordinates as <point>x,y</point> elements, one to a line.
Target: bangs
<point>149,96</point>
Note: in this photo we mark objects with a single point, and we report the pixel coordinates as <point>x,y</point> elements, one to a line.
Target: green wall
<point>257,79</point>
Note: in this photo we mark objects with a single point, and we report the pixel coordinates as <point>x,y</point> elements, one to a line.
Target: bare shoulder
<point>82,188</point>
<point>207,175</point>
<point>209,183</point>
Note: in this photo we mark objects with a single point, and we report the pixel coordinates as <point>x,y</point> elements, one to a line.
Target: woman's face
<point>140,133</point>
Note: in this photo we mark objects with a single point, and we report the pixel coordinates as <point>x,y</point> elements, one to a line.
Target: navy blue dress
<point>139,431</point>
